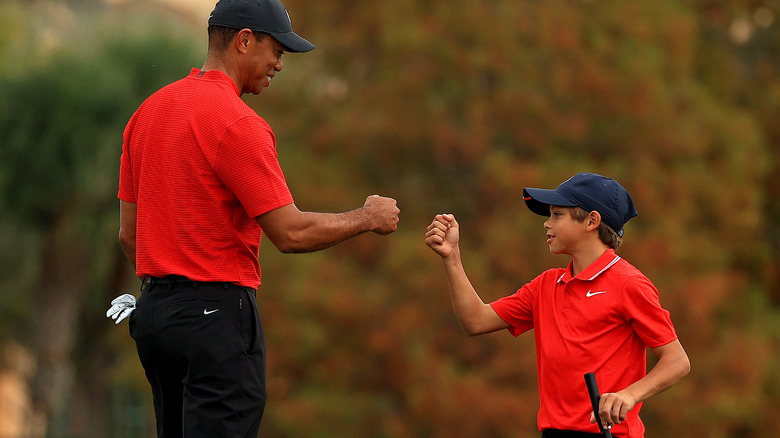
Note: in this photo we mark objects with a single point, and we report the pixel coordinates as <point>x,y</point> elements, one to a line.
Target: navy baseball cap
<point>590,192</point>
<point>267,16</point>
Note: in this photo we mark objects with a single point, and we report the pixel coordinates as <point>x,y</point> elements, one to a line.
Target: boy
<point>599,314</point>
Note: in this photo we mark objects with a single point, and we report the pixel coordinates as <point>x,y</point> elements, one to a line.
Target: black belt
<point>173,280</point>
<point>555,433</point>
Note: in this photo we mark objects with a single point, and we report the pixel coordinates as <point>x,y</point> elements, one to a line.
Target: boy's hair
<point>607,235</point>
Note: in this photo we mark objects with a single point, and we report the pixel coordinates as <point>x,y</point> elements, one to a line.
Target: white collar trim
<point>615,260</point>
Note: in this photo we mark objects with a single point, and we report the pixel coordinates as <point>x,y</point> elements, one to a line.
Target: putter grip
<point>593,392</point>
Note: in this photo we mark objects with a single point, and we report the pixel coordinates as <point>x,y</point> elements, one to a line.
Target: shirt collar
<point>604,262</point>
<point>214,75</point>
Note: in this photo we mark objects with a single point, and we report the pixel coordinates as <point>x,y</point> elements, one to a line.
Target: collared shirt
<point>602,321</point>
<point>201,165</point>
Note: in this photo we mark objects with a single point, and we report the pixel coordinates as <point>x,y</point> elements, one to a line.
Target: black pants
<point>555,433</point>
<point>203,350</point>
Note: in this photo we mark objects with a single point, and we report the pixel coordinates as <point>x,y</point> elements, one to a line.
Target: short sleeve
<point>517,309</point>
<point>127,189</point>
<point>642,308</point>
<point>248,165</point>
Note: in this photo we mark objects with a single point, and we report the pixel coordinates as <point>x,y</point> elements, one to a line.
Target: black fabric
<point>555,433</point>
<point>267,16</point>
<point>203,351</point>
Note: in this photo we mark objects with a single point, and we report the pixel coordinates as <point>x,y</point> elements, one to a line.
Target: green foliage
<point>63,118</point>
<point>62,111</point>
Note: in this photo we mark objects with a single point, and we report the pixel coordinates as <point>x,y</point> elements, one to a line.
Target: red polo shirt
<point>602,321</point>
<point>200,165</point>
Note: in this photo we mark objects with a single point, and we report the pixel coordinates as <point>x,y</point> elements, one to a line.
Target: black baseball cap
<point>267,16</point>
<point>590,192</point>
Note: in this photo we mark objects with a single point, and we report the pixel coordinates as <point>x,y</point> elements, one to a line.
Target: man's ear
<point>593,220</point>
<point>243,38</point>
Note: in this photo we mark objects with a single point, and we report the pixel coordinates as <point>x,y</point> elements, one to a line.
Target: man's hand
<point>121,307</point>
<point>385,211</point>
<point>443,235</point>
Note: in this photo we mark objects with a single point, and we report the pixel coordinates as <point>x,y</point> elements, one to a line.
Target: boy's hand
<point>613,408</point>
<point>443,235</point>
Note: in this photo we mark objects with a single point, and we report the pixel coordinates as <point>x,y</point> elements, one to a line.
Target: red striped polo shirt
<point>602,321</point>
<point>200,165</point>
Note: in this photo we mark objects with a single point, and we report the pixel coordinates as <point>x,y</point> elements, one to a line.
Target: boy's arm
<point>474,315</point>
<point>673,365</point>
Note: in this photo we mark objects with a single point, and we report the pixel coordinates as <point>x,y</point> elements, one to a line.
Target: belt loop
<point>225,285</point>
<point>195,284</point>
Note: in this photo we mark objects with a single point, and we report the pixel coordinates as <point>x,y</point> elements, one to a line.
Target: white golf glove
<point>121,307</point>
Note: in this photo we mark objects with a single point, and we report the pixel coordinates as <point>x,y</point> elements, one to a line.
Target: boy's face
<point>564,232</point>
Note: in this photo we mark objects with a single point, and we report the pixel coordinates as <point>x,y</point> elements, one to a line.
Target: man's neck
<point>231,71</point>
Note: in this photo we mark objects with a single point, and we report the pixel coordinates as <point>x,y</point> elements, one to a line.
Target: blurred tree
<point>456,106</point>
<point>744,43</point>
<point>62,116</point>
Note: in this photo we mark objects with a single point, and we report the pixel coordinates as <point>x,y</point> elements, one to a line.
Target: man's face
<point>264,61</point>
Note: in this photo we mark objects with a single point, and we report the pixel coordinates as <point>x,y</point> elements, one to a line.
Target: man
<point>199,184</point>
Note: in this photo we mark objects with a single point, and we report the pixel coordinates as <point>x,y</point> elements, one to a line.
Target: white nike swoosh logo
<point>209,312</point>
<point>590,294</point>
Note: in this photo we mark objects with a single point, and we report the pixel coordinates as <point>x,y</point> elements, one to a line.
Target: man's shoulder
<point>213,100</point>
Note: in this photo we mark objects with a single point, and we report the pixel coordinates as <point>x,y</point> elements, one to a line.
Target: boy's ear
<point>593,220</point>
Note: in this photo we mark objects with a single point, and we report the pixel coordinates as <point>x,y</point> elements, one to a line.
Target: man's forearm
<point>129,250</point>
<point>322,230</point>
<point>127,231</point>
<point>292,230</point>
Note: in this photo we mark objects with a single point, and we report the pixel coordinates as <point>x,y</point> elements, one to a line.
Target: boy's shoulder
<point>628,278</point>
<point>624,267</point>
<point>621,263</point>
<point>550,277</point>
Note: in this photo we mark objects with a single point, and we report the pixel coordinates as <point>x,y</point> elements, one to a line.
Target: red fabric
<point>602,321</point>
<point>200,165</point>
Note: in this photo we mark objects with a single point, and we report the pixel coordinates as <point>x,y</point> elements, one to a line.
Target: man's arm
<point>474,315</point>
<point>127,223</point>
<point>673,364</point>
<point>294,231</point>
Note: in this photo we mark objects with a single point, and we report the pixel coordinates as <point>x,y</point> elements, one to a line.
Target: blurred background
<point>448,106</point>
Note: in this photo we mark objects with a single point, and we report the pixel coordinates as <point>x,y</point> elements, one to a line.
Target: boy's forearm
<point>466,303</point>
<point>672,366</point>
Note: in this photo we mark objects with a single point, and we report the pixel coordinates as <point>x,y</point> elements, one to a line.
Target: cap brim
<point>293,42</point>
<point>540,200</point>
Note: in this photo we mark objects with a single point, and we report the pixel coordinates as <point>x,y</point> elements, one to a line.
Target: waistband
<point>172,281</point>
<point>556,433</point>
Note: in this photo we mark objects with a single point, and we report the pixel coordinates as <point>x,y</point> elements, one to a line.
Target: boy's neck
<point>586,256</point>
